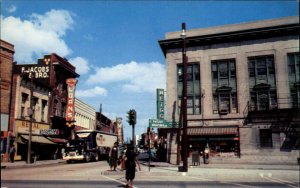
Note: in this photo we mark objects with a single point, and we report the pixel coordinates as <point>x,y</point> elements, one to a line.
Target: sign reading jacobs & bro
<point>40,71</point>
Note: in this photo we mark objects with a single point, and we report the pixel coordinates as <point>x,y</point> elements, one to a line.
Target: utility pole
<point>184,144</point>
<point>30,113</point>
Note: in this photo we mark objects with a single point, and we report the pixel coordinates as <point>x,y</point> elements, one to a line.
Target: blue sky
<point>114,44</point>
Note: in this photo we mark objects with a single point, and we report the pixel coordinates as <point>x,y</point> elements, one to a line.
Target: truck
<point>89,145</point>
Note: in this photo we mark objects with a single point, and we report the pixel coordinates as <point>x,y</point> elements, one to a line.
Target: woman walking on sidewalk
<point>130,165</point>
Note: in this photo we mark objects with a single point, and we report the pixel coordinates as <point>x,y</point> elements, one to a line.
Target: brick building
<point>6,66</point>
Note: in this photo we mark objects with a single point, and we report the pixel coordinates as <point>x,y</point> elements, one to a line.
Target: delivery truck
<point>89,145</point>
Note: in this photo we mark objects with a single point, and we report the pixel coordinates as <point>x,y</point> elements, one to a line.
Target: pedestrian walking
<point>12,153</point>
<point>130,165</point>
<point>114,157</point>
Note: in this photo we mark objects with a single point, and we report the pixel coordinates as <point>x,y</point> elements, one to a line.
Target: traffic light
<point>132,117</point>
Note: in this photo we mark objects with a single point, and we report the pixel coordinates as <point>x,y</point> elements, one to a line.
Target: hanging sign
<point>70,111</point>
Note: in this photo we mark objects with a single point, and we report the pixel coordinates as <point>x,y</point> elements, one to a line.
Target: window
<point>224,86</point>
<point>266,138</point>
<point>294,78</point>
<point>63,109</point>
<point>44,104</point>
<point>24,98</point>
<point>262,83</point>
<point>54,109</point>
<point>22,112</point>
<point>193,87</point>
<point>34,104</point>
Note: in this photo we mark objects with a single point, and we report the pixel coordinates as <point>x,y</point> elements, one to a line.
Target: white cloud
<point>96,91</point>
<point>81,65</point>
<point>11,9</point>
<point>134,77</point>
<point>37,36</point>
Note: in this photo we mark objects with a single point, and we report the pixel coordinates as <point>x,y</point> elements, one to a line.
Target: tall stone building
<point>242,88</point>
<point>6,66</point>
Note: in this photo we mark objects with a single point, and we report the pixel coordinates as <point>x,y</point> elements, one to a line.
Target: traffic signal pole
<point>132,122</point>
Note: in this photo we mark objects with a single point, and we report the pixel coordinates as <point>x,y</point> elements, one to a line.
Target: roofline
<point>198,37</point>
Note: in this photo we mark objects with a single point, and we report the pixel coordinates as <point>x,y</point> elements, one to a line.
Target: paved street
<point>96,174</point>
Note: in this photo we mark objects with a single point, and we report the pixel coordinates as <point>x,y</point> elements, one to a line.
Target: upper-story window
<point>24,98</point>
<point>193,87</point>
<point>262,82</point>
<point>294,78</point>
<point>34,105</point>
<point>44,104</point>
<point>63,109</point>
<point>54,109</point>
<point>224,86</point>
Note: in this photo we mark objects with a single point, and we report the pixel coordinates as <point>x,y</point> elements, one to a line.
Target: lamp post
<point>184,101</point>
<point>30,113</point>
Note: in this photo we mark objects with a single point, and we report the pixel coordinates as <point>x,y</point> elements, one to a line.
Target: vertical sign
<point>70,111</point>
<point>160,103</point>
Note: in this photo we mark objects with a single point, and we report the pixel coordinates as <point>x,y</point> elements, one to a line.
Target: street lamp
<point>30,113</point>
<point>184,102</point>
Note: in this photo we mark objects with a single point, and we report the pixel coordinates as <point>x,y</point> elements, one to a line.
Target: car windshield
<point>74,145</point>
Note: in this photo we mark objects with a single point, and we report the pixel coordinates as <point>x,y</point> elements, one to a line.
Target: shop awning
<point>212,130</point>
<point>38,139</point>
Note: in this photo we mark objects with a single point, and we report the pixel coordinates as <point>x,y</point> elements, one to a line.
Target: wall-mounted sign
<point>40,72</point>
<point>157,123</point>
<point>49,131</point>
<point>70,111</point>
<point>160,103</point>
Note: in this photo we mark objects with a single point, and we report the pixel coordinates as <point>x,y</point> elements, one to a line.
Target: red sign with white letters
<point>70,111</point>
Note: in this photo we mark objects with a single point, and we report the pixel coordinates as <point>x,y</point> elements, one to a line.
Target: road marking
<point>281,182</point>
<point>112,179</point>
<point>286,181</point>
<point>237,184</point>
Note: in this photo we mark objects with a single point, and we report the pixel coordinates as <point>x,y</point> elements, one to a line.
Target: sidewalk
<point>228,166</point>
<point>23,164</point>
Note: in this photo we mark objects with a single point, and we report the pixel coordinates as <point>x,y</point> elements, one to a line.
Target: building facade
<point>39,99</point>
<point>85,115</point>
<point>6,66</point>
<point>105,124</point>
<point>242,87</point>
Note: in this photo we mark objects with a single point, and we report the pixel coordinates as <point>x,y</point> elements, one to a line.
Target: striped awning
<point>212,130</point>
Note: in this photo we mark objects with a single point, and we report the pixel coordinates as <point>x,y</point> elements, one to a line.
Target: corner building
<point>6,67</point>
<point>243,94</point>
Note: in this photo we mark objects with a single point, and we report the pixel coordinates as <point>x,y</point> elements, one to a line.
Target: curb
<point>25,165</point>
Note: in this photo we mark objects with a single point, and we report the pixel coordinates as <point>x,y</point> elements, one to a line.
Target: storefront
<point>41,146</point>
<point>220,140</point>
